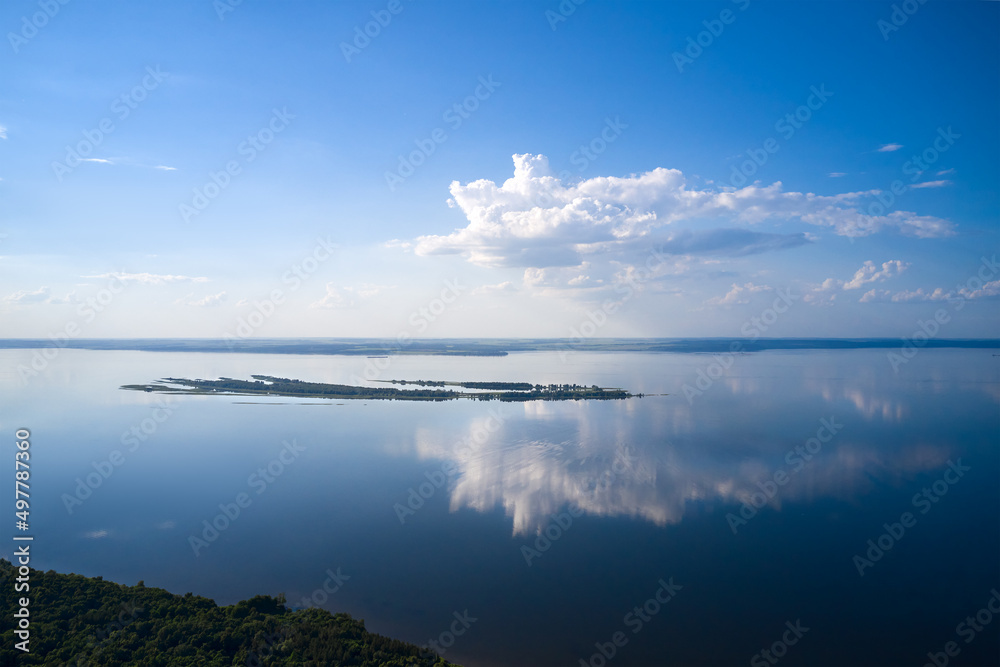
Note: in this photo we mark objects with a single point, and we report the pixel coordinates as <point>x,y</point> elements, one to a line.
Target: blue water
<point>549,523</point>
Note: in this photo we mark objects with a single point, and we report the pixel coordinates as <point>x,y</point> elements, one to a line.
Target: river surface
<point>693,528</point>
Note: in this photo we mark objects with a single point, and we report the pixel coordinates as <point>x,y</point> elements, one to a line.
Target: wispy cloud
<point>41,295</point>
<point>888,148</point>
<point>57,300</point>
<point>165,168</point>
<point>24,297</point>
<point>149,278</point>
<point>209,301</point>
<point>729,242</point>
<point>3,132</point>
<point>837,174</point>
<point>347,297</point>
<point>739,294</point>
<point>506,286</point>
<point>931,184</point>
<point>945,172</point>
<point>96,159</point>
<point>335,297</point>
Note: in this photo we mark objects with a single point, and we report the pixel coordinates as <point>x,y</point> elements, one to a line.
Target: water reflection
<point>650,458</point>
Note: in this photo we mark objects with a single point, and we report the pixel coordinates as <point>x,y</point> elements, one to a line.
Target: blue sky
<point>498,168</point>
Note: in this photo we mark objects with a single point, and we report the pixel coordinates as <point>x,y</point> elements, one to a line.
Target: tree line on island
<point>267,385</point>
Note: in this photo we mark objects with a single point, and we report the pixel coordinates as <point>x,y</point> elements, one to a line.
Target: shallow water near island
<point>554,525</point>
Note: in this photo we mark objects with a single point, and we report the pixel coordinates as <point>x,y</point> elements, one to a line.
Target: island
<point>266,385</point>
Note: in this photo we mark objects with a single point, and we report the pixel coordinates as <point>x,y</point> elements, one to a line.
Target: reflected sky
<point>652,480</point>
<point>649,457</point>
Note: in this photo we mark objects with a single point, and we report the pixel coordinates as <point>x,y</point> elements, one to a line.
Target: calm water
<point>642,490</point>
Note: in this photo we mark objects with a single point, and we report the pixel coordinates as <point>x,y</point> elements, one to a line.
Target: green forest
<point>78,621</point>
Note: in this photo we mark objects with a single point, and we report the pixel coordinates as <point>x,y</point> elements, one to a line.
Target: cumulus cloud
<point>869,273</point>
<point>535,220</point>
<point>985,291</point>
<point>884,295</point>
<point>149,278</point>
<point>989,289</point>
<point>888,148</point>
<point>739,294</point>
<point>826,292</point>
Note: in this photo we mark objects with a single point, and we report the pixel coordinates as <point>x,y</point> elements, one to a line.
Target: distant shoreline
<point>481,347</point>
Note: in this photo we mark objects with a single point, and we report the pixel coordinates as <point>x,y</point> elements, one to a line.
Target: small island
<point>266,385</point>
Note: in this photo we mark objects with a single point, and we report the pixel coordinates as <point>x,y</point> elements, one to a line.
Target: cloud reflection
<point>650,459</point>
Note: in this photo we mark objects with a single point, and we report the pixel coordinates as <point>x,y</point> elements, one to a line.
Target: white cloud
<point>826,292</point>
<point>69,298</point>
<point>836,174</point>
<point>23,297</point>
<point>149,278</point>
<point>561,277</point>
<point>96,159</point>
<point>165,168</point>
<point>368,290</point>
<point>931,184</point>
<point>535,220</point>
<point>739,294</point>
<point>988,290</point>
<point>945,172</point>
<point>335,297</point>
<point>41,295</point>
<point>3,132</point>
<point>888,148</point>
<point>869,273</point>
<point>506,286</point>
<point>348,297</point>
<point>209,301</point>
